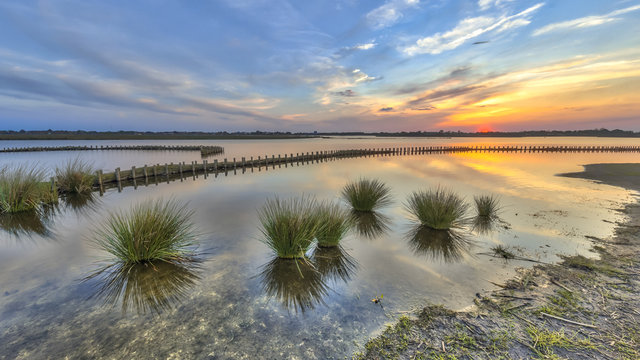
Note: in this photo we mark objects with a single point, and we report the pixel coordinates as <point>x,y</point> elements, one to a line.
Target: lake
<point>239,302</point>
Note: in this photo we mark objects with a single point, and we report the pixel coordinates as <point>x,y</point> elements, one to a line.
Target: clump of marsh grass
<point>503,252</point>
<point>366,194</point>
<point>438,209</point>
<point>334,223</point>
<point>75,177</point>
<point>487,206</point>
<point>23,189</point>
<point>289,226</point>
<point>151,230</point>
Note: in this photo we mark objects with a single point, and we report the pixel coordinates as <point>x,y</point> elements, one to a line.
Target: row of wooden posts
<point>204,149</point>
<point>174,171</point>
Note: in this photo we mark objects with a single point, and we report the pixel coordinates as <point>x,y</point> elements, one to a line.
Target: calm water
<point>239,302</point>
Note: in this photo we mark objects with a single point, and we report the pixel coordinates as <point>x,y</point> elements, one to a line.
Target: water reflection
<point>446,245</point>
<point>151,286</point>
<point>294,282</point>
<point>77,201</point>
<point>334,263</point>
<point>301,284</point>
<point>370,224</point>
<point>484,224</point>
<point>29,223</point>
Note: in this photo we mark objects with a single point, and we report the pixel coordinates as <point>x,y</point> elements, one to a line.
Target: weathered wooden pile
<point>204,150</point>
<point>167,172</point>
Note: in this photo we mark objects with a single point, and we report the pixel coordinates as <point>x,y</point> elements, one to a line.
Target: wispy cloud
<point>468,29</point>
<point>584,22</point>
<point>389,13</point>
<point>487,4</point>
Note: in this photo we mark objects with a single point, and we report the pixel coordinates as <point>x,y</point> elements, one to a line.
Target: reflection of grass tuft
<point>366,194</point>
<point>438,209</point>
<point>154,285</point>
<point>370,224</point>
<point>152,230</point>
<point>448,245</point>
<point>294,282</point>
<point>289,226</point>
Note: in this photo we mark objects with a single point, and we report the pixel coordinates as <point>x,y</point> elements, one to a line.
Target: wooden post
<point>99,177</point>
<point>180,169</point>
<point>133,177</point>
<point>204,167</point>
<point>118,179</point>
<point>146,174</point>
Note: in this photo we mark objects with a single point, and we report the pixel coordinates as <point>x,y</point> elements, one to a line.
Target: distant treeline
<point>184,135</point>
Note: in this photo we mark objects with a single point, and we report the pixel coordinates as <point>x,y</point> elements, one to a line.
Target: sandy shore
<point>578,309</point>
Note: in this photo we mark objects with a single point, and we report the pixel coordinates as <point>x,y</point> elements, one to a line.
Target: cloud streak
<point>585,22</point>
<point>467,29</point>
<point>389,13</point>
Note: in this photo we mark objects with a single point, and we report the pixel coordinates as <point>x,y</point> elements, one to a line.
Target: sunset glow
<point>395,65</point>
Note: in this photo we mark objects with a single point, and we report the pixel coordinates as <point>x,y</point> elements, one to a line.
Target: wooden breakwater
<point>167,172</point>
<point>204,149</point>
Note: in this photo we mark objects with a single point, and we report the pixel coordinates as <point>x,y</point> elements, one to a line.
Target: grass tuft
<point>367,194</point>
<point>151,230</point>
<point>438,209</point>
<point>23,189</point>
<point>487,206</point>
<point>289,226</point>
<point>503,252</point>
<point>76,177</point>
<point>334,223</point>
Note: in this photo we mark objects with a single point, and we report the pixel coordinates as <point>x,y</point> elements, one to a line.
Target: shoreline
<point>578,308</point>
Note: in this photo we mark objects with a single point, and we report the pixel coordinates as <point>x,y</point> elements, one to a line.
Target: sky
<point>341,65</point>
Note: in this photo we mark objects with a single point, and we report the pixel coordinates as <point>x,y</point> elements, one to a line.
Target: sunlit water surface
<point>238,302</point>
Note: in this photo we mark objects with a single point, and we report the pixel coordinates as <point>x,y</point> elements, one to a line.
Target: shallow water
<point>238,302</point>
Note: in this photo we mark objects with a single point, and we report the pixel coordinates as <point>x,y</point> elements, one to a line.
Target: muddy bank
<point>578,309</point>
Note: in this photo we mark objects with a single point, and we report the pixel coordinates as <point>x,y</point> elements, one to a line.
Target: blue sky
<point>339,65</point>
